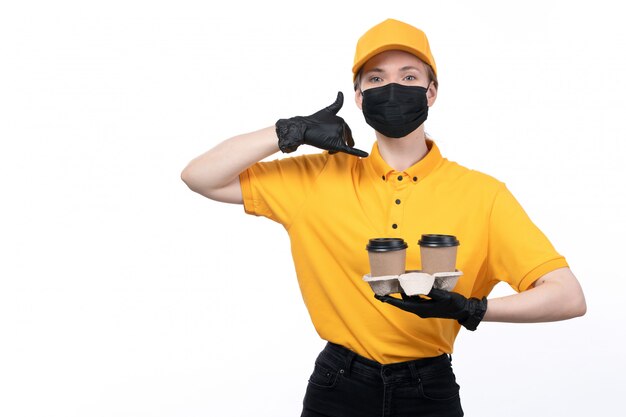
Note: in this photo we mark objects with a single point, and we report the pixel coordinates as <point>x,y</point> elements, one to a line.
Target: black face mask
<point>395,110</point>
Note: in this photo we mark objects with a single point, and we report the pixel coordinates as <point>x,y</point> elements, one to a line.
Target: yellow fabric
<point>392,35</point>
<point>331,205</point>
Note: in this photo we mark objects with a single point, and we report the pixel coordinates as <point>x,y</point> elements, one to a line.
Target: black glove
<point>444,305</point>
<point>324,130</point>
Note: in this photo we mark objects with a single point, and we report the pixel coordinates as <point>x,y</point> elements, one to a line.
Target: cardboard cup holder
<point>416,282</point>
<point>446,280</point>
<point>413,282</point>
<point>383,285</point>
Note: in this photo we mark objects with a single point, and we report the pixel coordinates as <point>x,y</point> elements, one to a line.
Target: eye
<point>410,78</point>
<point>375,79</point>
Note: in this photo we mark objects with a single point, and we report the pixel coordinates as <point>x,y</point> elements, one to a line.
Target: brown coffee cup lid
<point>438,241</point>
<point>386,244</point>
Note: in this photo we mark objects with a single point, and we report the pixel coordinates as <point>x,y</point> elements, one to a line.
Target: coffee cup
<point>438,253</point>
<point>387,256</point>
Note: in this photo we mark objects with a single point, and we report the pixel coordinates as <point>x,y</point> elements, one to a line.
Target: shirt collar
<point>416,172</point>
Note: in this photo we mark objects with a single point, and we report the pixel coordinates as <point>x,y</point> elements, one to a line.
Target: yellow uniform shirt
<point>331,205</point>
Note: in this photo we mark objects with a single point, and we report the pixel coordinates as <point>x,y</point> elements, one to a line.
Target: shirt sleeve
<point>277,189</point>
<point>519,253</point>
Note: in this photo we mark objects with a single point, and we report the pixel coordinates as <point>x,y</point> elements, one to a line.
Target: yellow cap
<point>388,35</point>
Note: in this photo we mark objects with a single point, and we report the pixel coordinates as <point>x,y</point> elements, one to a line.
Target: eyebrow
<point>410,67</point>
<point>405,68</point>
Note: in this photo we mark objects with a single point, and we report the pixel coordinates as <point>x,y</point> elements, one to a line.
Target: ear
<point>358,98</point>
<point>431,94</point>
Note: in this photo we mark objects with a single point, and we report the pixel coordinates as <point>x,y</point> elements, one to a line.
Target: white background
<point>122,293</point>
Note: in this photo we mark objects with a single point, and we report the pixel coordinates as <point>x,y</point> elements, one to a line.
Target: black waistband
<point>347,361</point>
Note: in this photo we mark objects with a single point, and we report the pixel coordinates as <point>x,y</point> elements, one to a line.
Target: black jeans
<point>344,384</point>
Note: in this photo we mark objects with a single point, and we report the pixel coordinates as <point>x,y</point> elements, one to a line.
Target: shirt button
<point>414,178</point>
<point>399,177</point>
<point>395,226</point>
<point>398,201</point>
<point>383,178</point>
